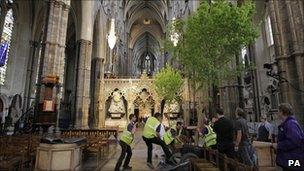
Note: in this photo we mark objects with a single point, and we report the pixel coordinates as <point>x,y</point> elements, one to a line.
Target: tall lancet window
<point>5,44</point>
<point>147,63</point>
<point>269,31</point>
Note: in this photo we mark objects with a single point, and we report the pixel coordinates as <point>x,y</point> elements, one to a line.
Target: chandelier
<point>174,36</point>
<point>111,36</point>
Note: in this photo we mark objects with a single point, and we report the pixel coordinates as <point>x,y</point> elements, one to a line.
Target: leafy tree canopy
<point>168,83</point>
<point>210,38</point>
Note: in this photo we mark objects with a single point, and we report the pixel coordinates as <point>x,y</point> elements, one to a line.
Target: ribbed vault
<point>146,45</point>
<point>145,23</point>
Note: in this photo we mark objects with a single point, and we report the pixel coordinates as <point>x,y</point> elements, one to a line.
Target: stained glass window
<point>5,43</point>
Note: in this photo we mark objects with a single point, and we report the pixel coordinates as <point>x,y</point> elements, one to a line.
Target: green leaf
<point>168,83</point>
<point>210,38</point>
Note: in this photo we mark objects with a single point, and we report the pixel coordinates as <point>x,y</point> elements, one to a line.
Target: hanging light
<point>111,36</point>
<point>174,36</point>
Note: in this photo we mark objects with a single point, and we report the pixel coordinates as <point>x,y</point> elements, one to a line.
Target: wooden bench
<point>105,132</point>
<point>97,140</point>
<point>213,161</point>
<point>18,152</point>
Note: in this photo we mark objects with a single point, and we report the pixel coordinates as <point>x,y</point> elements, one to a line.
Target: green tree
<point>210,38</point>
<point>168,83</point>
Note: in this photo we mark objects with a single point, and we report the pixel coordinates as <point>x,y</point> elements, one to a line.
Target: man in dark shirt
<point>223,128</point>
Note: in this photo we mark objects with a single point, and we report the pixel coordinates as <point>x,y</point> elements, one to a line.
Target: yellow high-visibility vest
<point>150,127</point>
<point>210,138</point>
<point>168,138</point>
<point>127,136</point>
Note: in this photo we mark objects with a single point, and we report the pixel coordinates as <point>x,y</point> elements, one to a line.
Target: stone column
<point>102,50</point>
<point>229,99</point>
<point>280,43</point>
<point>53,50</point>
<point>102,102</point>
<point>287,24</point>
<point>95,81</point>
<point>83,69</point>
<point>83,83</point>
<point>186,112</point>
<point>186,101</point>
<point>30,74</point>
<point>55,39</point>
<point>295,16</point>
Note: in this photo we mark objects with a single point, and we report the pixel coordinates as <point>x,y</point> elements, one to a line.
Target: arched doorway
<point>144,104</point>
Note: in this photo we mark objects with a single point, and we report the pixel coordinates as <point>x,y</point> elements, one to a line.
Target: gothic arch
<point>145,18</point>
<point>144,104</point>
<point>159,8</point>
<point>146,44</point>
<point>137,35</point>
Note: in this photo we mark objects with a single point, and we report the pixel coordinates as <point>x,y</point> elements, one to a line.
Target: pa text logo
<point>294,163</point>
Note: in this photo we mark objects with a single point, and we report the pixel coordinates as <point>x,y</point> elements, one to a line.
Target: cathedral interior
<point>89,64</point>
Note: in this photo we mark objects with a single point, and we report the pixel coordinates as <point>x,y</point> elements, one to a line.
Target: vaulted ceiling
<point>146,24</point>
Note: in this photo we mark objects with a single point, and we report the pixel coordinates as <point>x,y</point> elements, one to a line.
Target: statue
<point>117,104</point>
<point>16,108</point>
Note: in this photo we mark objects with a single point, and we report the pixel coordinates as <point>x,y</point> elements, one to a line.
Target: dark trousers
<point>227,148</point>
<point>158,141</point>
<point>245,155</point>
<point>125,148</point>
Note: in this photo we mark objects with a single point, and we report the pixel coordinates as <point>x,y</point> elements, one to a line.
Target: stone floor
<point>139,157</point>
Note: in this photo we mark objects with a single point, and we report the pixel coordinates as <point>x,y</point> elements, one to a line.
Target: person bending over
<point>151,136</point>
<point>126,139</point>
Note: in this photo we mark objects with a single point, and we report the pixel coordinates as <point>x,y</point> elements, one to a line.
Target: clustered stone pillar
<point>102,101</point>
<point>229,99</point>
<point>83,84</point>
<point>287,23</point>
<point>95,89</point>
<point>55,39</point>
<point>30,69</point>
<point>54,47</point>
